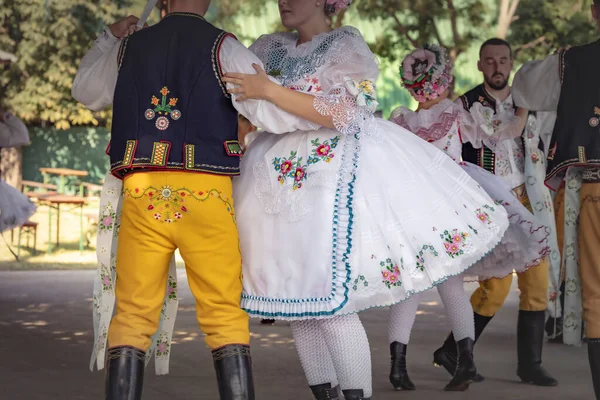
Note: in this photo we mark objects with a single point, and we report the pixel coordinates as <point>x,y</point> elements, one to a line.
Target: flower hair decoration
<point>332,7</point>
<point>426,73</point>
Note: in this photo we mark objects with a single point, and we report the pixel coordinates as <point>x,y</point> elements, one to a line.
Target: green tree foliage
<point>543,26</point>
<point>412,23</point>
<point>50,37</point>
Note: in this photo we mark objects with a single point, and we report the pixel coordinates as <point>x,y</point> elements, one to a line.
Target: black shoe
<point>530,340</point>
<point>325,392</point>
<point>465,370</point>
<point>445,356</point>
<point>234,372</point>
<point>398,374</point>
<point>124,373</point>
<point>594,356</point>
<point>354,394</point>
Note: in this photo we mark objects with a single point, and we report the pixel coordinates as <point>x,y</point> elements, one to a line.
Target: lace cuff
<point>489,128</point>
<point>350,106</point>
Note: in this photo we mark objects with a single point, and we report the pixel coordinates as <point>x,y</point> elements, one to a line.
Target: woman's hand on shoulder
<point>251,86</point>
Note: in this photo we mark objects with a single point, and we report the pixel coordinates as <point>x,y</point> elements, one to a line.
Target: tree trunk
<point>506,16</point>
<point>12,167</point>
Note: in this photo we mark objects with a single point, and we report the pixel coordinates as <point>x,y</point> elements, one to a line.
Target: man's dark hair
<point>502,42</point>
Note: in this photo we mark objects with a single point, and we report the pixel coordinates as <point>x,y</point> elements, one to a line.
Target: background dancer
<point>569,83</point>
<point>427,75</point>
<point>507,160</point>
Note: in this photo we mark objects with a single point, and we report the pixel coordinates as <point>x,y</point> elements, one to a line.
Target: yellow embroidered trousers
<point>589,257</point>
<point>533,284</point>
<point>192,212</point>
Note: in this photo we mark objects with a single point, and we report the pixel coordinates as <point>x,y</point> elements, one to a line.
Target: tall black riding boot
<point>594,356</point>
<point>398,374</point>
<point>530,340</point>
<point>234,372</point>
<point>465,370</point>
<point>354,394</point>
<point>124,373</point>
<point>445,356</point>
<point>325,392</point>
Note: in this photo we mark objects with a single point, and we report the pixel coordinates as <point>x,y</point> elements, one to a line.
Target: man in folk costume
<point>173,151</point>
<point>514,161</point>
<point>568,82</point>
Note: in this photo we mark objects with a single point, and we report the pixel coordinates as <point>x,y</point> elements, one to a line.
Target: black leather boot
<point>325,392</point>
<point>594,356</point>
<point>234,372</point>
<point>124,373</point>
<point>465,370</point>
<point>530,340</point>
<point>445,356</point>
<point>398,374</point>
<point>354,394</point>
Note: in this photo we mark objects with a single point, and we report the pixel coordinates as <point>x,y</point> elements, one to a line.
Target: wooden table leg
<point>49,228</point>
<point>81,229</point>
<point>57,225</point>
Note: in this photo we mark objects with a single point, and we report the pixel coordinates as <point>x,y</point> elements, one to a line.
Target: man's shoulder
<point>471,96</point>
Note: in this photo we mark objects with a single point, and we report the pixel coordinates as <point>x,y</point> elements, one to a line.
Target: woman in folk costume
<point>353,212</point>
<point>427,73</point>
<point>15,208</point>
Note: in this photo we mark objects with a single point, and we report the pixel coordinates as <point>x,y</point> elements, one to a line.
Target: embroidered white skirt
<point>526,242</point>
<point>332,224</point>
<point>15,207</point>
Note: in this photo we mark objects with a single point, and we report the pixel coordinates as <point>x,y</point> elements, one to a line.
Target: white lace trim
<point>289,62</point>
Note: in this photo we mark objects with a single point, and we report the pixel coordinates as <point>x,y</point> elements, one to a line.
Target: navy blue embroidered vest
<point>171,110</point>
<point>483,157</point>
<point>576,137</point>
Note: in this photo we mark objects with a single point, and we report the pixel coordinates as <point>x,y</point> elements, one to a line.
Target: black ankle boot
<point>446,356</point>
<point>465,370</point>
<point>234,372</point>
<point>124,373</point>
<point>325,392</point>
<point>530,340</point>
<point>398,374</point>
<point>594,356</point>
<point>354,394</point>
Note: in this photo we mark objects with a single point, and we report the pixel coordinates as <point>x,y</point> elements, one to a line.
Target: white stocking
<point>402,319</point>
<point>348,347</point>
<point>458,308</point>
<point>313,352</point>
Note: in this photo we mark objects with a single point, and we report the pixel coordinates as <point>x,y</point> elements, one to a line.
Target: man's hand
<point>124,27</point>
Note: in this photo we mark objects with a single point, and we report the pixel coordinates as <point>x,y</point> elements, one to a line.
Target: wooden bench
<point>48,189</point>
<point>28,228</point>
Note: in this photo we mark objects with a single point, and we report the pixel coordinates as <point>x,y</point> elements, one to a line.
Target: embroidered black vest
<point>576,137</point>
<point>171,110</point>
<point>484,157</point>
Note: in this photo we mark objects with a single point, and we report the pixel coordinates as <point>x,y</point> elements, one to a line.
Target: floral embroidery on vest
<point>390,272</point>
<point>454,242</point>
<point>164,109</point>
<point>293,168</point>
<point>311,85</point>
<point>168,205</point>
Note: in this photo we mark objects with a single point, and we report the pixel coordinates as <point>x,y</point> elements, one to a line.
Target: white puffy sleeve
<point>348,79</point>
<point>94,84</point>
<point>235,57</point>
<point>537,84</point>
<point>13,132</point>
<point>481,126</point>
